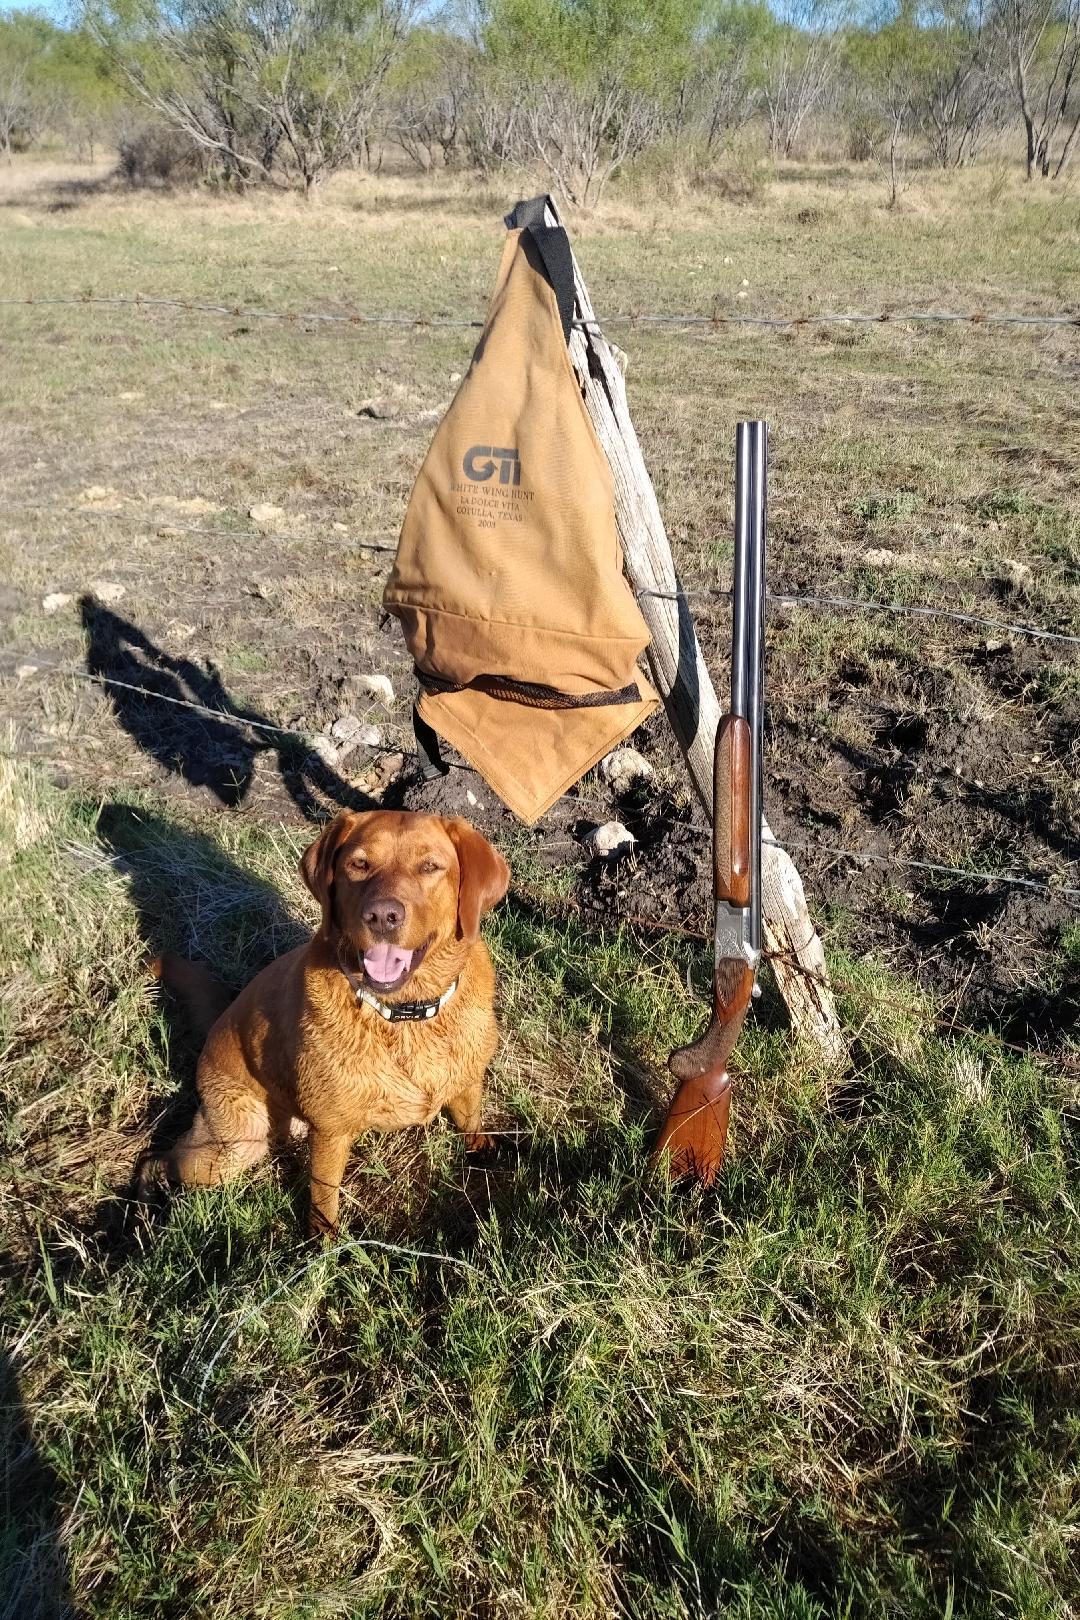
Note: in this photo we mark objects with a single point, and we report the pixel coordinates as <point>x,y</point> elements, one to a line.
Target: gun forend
<point>732,769</point>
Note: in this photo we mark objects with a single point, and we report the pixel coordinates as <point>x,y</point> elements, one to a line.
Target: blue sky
<point>58,10</point>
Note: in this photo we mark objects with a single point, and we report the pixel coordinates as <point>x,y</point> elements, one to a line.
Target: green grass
<point>843,1383</point>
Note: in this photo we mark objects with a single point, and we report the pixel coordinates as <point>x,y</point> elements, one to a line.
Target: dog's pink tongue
<point>385,963</point>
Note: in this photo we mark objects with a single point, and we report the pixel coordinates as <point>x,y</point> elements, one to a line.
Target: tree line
<point>287,92</point>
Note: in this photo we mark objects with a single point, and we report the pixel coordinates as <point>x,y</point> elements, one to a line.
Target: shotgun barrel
<point>753,513</point>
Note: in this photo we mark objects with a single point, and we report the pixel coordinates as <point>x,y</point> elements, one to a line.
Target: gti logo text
<point>480,463</point>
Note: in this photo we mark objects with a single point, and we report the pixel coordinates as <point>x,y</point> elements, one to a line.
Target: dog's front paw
<point>319,1229</point>
<point>479,1142</point>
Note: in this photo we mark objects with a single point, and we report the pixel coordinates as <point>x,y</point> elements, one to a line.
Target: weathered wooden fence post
<point>791,940</point>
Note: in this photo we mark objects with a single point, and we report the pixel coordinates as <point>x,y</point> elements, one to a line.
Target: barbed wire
<point>691,598</point>
<point>714,320</point>
<point>869,605</point>
<point>1007,878</point>
<point>205,709</point>
<point>917,610</point>
<point>164,521</point>
<point>633,318</point>
<point>887,317</point>
<point>805,847</point>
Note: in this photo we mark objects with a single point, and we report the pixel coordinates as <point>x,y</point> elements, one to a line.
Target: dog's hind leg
<point>230,1132</point>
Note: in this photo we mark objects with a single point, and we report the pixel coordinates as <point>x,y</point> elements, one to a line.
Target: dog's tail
<point>203,997</point>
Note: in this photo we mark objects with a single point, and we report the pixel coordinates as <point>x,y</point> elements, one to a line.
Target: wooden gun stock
<point>695,1131</point>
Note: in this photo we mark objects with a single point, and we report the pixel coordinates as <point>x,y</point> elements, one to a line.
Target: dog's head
<point>395,886</point>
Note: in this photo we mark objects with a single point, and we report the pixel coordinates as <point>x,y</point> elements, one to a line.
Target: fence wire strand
<point>633,318</point>
<point>804,847</point>
<point>690,598</point>
<point>163,520</point>
<point>869,605</point>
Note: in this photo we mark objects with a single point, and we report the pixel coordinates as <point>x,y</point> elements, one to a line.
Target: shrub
<point>157,156</point>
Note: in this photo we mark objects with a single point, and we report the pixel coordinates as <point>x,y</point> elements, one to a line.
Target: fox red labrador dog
<point>382,1020</point>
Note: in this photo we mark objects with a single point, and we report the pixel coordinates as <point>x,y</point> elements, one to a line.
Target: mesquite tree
<point>729,63</point>
<point>591,77</point>
<point>963,96</point>
<point>888,69</point>
<point>801,64</point>
<point>1042,44</point>
<point>272,89</point>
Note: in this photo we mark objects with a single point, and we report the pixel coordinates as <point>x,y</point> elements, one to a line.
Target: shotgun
<point>695,1129</point>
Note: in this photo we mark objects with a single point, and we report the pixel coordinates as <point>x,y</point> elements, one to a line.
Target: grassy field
<point>844,1383</point>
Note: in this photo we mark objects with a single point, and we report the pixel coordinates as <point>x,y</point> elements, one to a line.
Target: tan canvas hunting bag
<point>508,578</point>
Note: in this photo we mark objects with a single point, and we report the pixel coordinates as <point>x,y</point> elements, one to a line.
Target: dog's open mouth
<point>386,966</point>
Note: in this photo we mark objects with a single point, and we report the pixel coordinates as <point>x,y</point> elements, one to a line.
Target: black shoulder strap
<point>553,246</point>
<point>432,763</point>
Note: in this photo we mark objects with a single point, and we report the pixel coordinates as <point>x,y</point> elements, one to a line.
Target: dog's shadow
<point>182,715</point>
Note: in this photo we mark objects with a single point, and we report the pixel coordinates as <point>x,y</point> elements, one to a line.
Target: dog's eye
<point>426,868</point>
<point>358,864</point>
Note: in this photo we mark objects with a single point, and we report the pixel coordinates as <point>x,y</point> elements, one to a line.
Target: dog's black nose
<point>386,914</point>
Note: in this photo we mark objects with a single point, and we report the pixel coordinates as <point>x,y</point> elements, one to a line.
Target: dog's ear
<point>317,861</point>
<point>483,877</point>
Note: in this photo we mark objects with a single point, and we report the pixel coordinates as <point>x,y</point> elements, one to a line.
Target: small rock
<point>130,393</point>
<point>108,590</point>
<point>380,686</point>
<point>340,528</point>
<point>350,733</point>
<point>54,602</point>
<point>1017,577</point>
<point>263,512</point>
<point>623,768</point>
<point>879,559</point>
<point>994,644</point>
<point>455,376</point>
<point>100,495</point>
<point>219,405</point>
<point>609,841</point>
<point>390,766</point>
<point>23,672</point>
<point>324,748</point>
<point>344,728</point>
<point>471,796</point>
<point>744,282</point>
